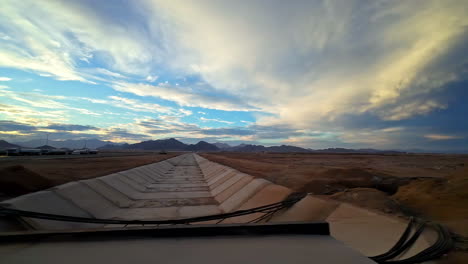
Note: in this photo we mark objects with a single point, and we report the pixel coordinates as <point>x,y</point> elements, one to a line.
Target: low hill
<point>114,146</point>
<point>46,147</point>
<point>286,148</point>
<point>172,144</point>
<point>247,148</point>
<point>160,144</point>
<point>261,148</point>
<point>221,145</point>
<point>357,151</point>
<point>202,146</point>
<point>5,144</point>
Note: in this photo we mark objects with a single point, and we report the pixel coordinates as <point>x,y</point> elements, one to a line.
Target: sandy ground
<point>20,175</point>
<point>328,173</point>
<point>434,187</point>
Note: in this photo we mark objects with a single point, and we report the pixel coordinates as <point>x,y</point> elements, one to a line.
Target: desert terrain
<point>21,175</point>
<point>430,185</point>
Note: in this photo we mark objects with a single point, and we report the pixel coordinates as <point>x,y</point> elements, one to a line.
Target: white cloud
<point>4,36</point>
<point>33,100</point>
<point>408,110</point>
<point>109,73</point>
<point>216,120</point>
<point>134,105</point>
<point>139,106</point>
<point>4,79</point>
<point>30,115</point>
<point>441,137</point>
<point>184,96</point>
<point>392,129</point>
<point>185,112</point>
<point>150,78</point>
<point>54,37</point>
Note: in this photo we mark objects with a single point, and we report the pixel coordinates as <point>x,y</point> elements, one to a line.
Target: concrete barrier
<point>237,199</point>
<point>51,203</point>
<point>86,199</point>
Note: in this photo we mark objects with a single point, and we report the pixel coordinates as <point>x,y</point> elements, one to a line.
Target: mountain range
<point>71,144</point>
<point>170,144</point>
<point>173,144</point>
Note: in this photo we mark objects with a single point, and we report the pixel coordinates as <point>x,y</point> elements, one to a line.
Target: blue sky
<point>380,74</point>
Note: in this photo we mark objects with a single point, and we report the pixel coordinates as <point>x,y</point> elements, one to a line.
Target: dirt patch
<point>329,181</point>
<point>21,176</point>
<point>330,173</point>
<point>442,200</point>
<point>432,186</point>
<point>17,180</point>
<point>369,198</point>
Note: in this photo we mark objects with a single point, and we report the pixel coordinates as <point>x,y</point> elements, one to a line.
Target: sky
<point>316,74</point>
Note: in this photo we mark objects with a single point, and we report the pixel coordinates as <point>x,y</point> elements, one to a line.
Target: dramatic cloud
<point>57,37</point>
<point>329,58</point>
<point>35,100</point>
<point>11,130</point>
<point>405,111</point>
<point>184,96</point>
<point>14,126</point>
<point>313,73</point>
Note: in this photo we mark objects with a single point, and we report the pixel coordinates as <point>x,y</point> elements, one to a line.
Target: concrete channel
<point>188,186</point>
<point>180,187</point>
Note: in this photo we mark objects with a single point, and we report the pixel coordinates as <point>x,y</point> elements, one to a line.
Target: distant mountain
<point>46,147</point>
<point>71,144</point>
<point>160,144</point>
<point>170,144</point>
<point>286,148</point>
<point>5,144</point>
<point>221,145</point>
<point>363,151</point>
<point>248,148</point>
<point>336,150</point>
<point>114,146</point>
<point>173,144</point>
<point>261,148</point>
<point>202,146</point>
